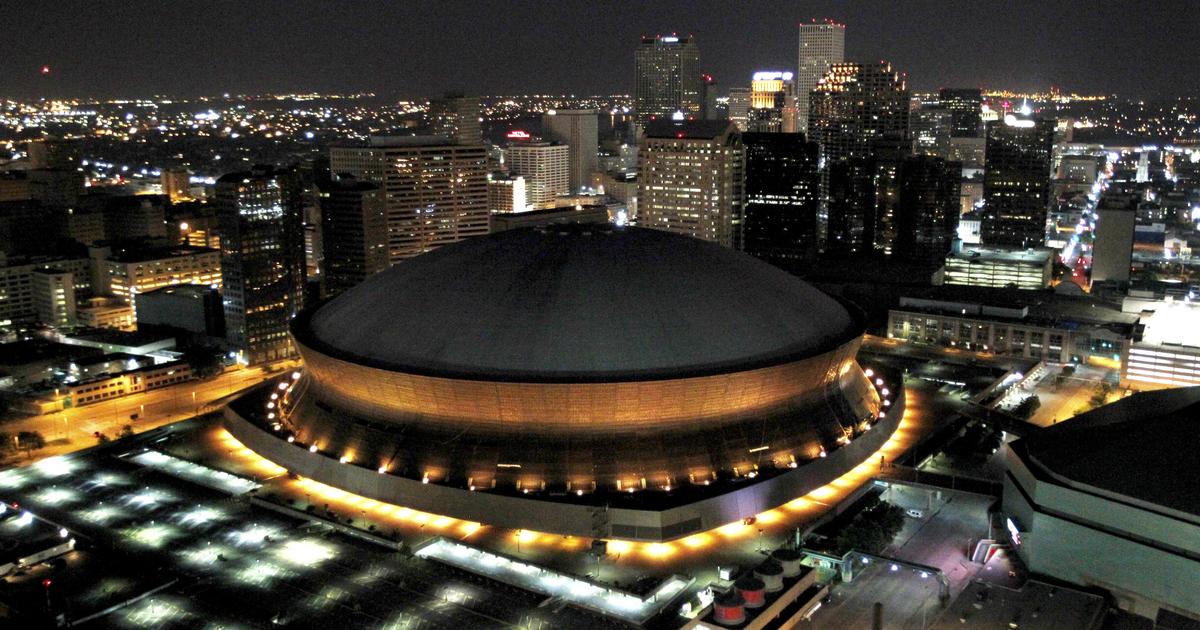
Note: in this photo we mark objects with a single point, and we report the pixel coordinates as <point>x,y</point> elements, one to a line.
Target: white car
<point>916,513</point>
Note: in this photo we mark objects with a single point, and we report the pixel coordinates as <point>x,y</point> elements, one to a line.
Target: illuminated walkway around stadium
<point>698,554</point>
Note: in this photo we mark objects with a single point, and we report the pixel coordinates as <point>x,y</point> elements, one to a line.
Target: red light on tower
<point>45,69</point>
<point>46,583</point>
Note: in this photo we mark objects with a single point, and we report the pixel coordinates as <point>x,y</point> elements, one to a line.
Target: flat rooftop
<point>145,254</point>
<point>1173,324</point>
<point>993,254</point>
<point>1142,446</point>
<point>1035,606</point>
<point>1043,306</point>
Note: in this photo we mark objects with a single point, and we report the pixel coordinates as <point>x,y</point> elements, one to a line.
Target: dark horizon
<point>418,48</point>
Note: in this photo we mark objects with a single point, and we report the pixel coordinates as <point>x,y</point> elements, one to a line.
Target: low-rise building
<point>1033,324</point>
<point>1108,500</point>
<point>105,312</point>
<point>1168,353</point>
<point>113,385</point>
<point>996,267</point>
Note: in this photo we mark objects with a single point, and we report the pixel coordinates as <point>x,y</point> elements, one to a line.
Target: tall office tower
<point>176,184</point>
<point>1016,185</point>
<point>1112,253</point>
<point>852,221</point>
<point>930,128</point>
<point>262,261</point>
<point>507,193</point>
<point>966,104</point>
<point>578,129</point>
<point>691,179</point>
<point>708,97</point>
<point>134,217</point>
<point>545,167</point>
<point>739,106</point>
<point>783,194</point>
<point>928,208</point>
<point>54,296</point>
<point>435,193</point>
<point>353,232</point>
<point>456,117</point>
<point>822,44</point>
<point>668,78</point>
<point>772,103</point>
<point>854,106</point>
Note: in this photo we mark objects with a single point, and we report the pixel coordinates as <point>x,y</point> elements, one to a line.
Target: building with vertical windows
<point>783,188</point>
<point>176,184</point>
<point>1016,185</point>
<point>546,167</point>
<point>928,208</point>
<point>507,193</point>
<point>691,180</point>
<point>854,106</point>
<point>739,106</point>
<point>668,77</point>
<point>262,261</point>
<point>353,232</point>
<point>930,128</point>
<point>772,103</point>
<point>1112,250</point>
<point>576,128</point>
<point>966,106</point>
<point>435,192</point>
<point>456,117</point>
<point>54,297</point>
<point>822,44</point>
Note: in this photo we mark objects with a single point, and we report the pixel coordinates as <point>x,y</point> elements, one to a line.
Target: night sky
<point>106,48</point>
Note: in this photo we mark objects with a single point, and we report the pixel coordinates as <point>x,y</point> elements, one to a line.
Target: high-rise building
<point>966,105</point>
<point>54,297</point>
<point>578,129</point>
<point>927,212</point>
<point>176,184</point>
<point>134,217</point>
<point>783,188</point>
<point>1112,252</point>
<point>930,128</point>
<point>822,44</point>
<point>353,232</point>
<point>772,103</point>
<point>1016,185</point>
<point>435,192</point>
<point>854,106</point>
<point>507,193</point>
<point>739,106</point>
<point>262,261</point>
<point>852,222</point>
<point>708,97</point>
<point>545,167</point>
<point>668,78</point>
<point>456,117</point>
<point>691,179</point>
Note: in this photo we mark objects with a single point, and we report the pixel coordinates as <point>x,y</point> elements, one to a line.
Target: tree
<point>1026,408</point>
<point>126,432</point>
<point>31,439</point>
<point>102,439</point>
<point>1100,396</point>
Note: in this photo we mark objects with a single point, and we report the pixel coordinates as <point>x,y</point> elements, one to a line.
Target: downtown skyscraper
<point>262,260</point>
<point>1016,185</point>
<point>783,197</point>
<point>576,128</point>
<point>667,78</point>
<point>435,192</point>
<point>822,44</point>
<point>691,179</point>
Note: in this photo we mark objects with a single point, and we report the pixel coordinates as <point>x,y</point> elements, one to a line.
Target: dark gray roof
<point>1143,447</point>
<point>579,302</point>
<point>687,128</point>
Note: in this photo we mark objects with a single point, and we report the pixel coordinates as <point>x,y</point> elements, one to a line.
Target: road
<point>153,409</point>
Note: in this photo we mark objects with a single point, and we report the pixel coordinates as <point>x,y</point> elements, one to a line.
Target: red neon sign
<point>517,134</point>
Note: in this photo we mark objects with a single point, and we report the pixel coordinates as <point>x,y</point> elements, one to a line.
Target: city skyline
<point>411,50</point>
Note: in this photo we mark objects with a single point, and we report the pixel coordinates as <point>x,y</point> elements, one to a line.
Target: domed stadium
<point>577,365</point>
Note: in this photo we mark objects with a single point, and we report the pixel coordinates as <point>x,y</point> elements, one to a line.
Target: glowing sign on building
<point>517,134</point>
<point>773,76</point>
